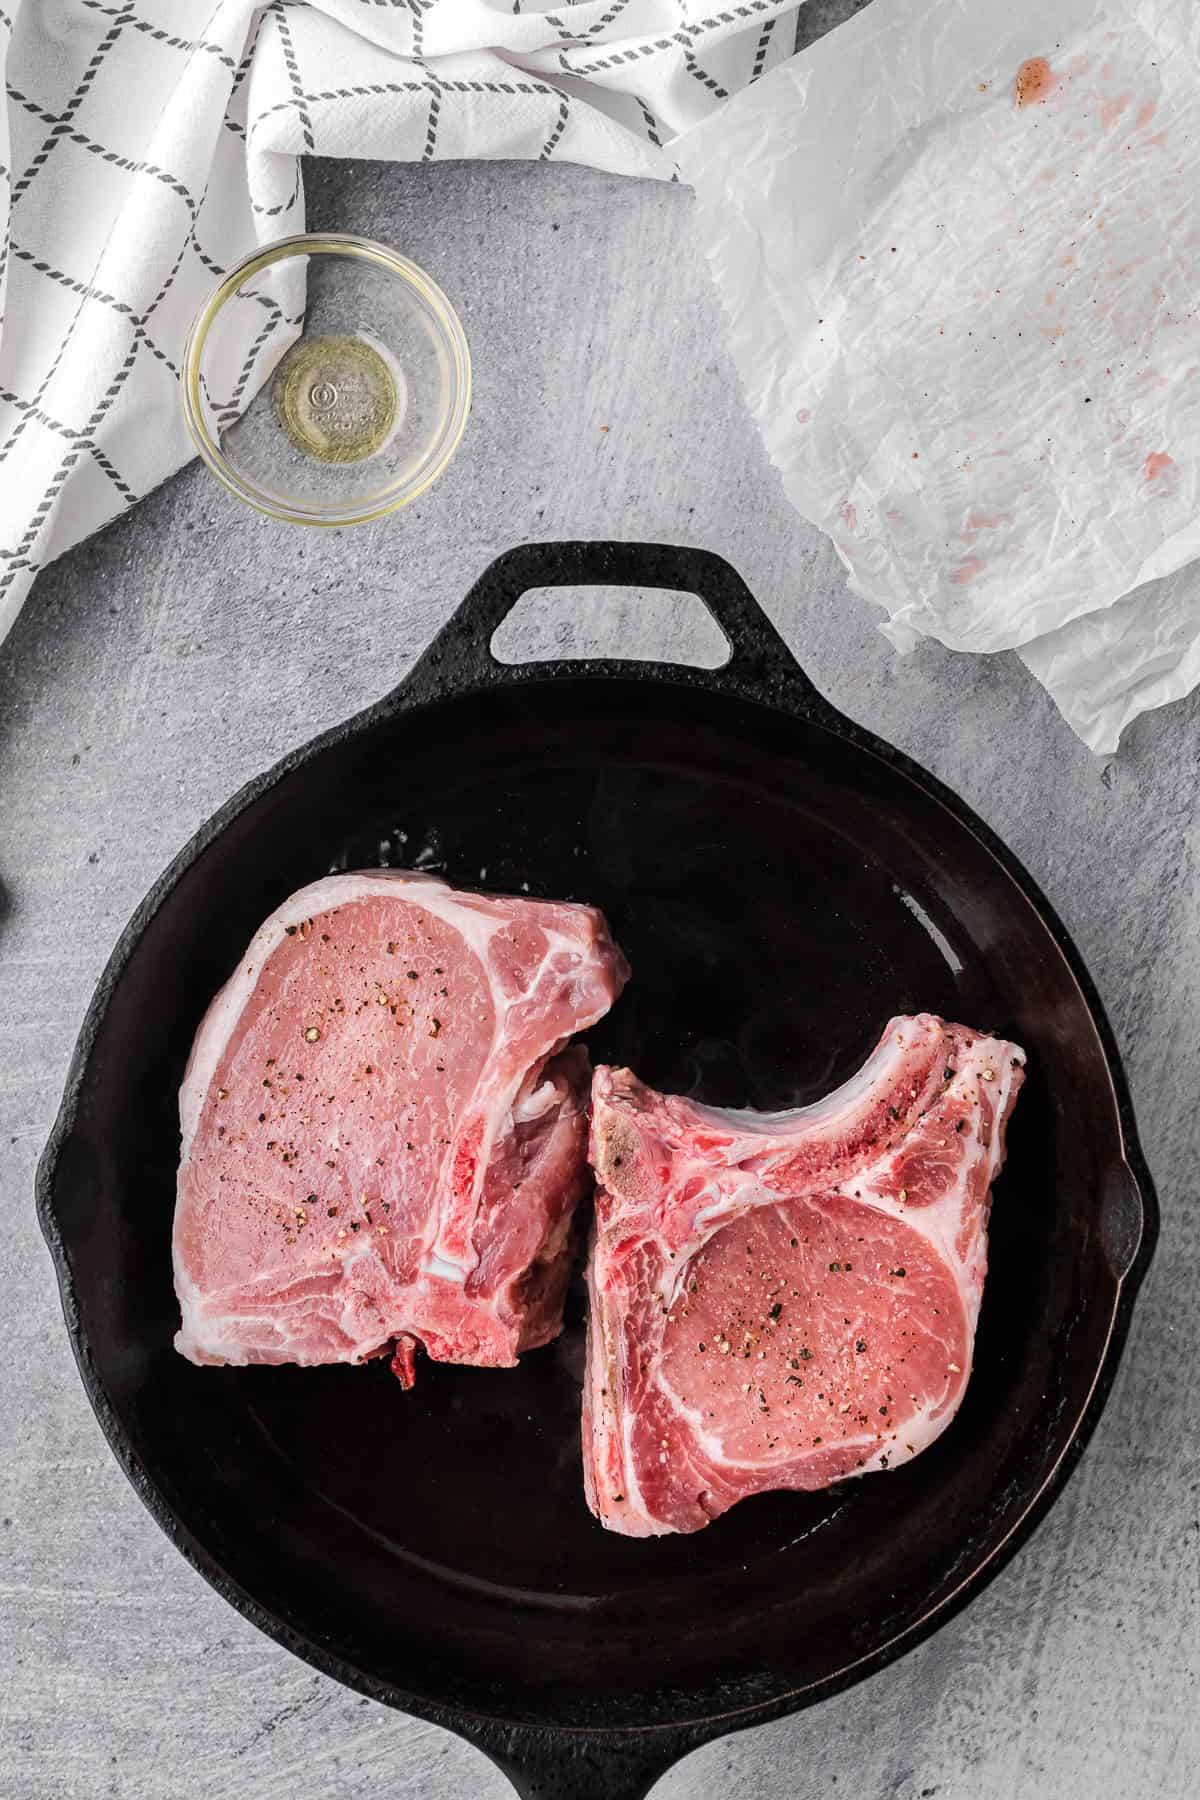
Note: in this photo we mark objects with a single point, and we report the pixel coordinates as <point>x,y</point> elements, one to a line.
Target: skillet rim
<point>764,671</point>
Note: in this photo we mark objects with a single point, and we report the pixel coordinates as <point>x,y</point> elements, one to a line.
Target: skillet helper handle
<point>760,665</point>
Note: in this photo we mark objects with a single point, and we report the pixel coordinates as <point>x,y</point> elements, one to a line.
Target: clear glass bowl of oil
<point>326,380</point>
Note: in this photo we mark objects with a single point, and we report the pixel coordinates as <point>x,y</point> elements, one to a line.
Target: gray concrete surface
<point>168,660</point>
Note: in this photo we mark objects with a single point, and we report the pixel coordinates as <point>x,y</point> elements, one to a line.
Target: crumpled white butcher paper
<point>958,244</point>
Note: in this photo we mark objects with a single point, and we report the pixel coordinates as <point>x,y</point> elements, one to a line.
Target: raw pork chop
<point>779,1300</point>
<point>383,1136</point>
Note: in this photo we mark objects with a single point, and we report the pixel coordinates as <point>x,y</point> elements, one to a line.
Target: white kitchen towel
<point>959,248</point>
<point>150,144</point>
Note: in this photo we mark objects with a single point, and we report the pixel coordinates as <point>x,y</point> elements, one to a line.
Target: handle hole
<point>640,624</point>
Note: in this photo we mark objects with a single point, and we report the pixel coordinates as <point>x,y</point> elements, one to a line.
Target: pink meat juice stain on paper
<point>981,521</point>
<point>1035,81</point>
<point>967,571</point>
<point>1111,108</point>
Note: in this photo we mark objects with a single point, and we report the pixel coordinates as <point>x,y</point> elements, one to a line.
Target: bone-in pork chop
<point>384,1138</point>
<point>782,1300</point>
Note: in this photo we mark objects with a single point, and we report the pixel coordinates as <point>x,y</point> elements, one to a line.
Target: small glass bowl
<point>359,371</point>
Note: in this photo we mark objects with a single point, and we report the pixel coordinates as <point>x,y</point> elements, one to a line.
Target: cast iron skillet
<point>782,882</point>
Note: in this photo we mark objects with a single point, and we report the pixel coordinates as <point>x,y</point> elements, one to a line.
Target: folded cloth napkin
<point>153,143</point>
<point>960,253</point>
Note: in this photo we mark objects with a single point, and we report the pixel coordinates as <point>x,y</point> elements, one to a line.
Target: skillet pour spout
<point>782,882</point>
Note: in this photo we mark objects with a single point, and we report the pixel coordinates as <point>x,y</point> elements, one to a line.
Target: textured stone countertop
<point>159,666</point>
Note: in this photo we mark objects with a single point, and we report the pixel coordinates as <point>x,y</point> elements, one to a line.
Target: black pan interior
<point>780,893</point>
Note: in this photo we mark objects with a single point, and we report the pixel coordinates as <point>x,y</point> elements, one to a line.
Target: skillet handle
<point>760,665</point>
<point>576,1766</point>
